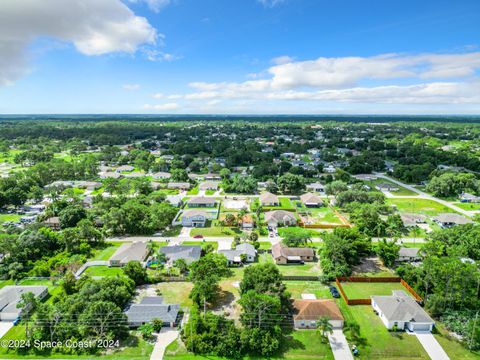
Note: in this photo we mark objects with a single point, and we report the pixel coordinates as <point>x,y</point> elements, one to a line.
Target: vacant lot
<point>104,271</point>
<point>307,269</point>
<point>360,290</point>
<point>175,292</point>
<point>297,288</point>
<point>216,231</point>
<point>419,206</point>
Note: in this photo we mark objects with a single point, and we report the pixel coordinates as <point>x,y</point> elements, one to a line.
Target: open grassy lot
<point>297,288</point>
<point>400,192</point>
<point>175,292</point>
<point>468,206</point>
<point>376,342</point>
<point>201,243</point>
<point>105,254</point>
<point>104,271</point>
<point>419,206</point>
<point>283,231</point>
<point>9,217</point>
<point>359,290</point>
<point>320,215</point>
<point>265,245</point>
<point>216,231</point>
<point>302,344</point>
<point>285,204</point>
<point>134,347</point>
<point>307,269</point>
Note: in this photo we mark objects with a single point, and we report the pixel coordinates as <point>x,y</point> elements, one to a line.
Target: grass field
<point>322,215</point>
<point>105,254</point>
<point>104,271</point>
<point>216,231</point>
<point>401,190</point>
<point>302,344</point>
<point>419,206</point>
<point>201,243</point>
<point>176,292</point>
<point>307,269</point>
<point>360,290</point>
<point>134,347</point>
<point>467,206</point>
<point>297,288</point>
<point>9,217</point>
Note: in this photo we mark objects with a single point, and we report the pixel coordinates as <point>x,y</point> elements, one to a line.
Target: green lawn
<point>285,204</point>
<point>216,231</point>
<point>201,243</point>
<point>453,348</point>
<point>193,191</point>
<point>297,288</point>
<point>467,206</point>
<point>401,190</point>
<point>134,347</point>
<point>302,344</point>
<point>104,271</point>
<point>176,292</point>
<point>320,215</point>
<point>6,282</point>
<point>265,245</point>
<point>307,269</point>
<point>9,217</point>
<point>376,342</point>
<point>419,206</point>
<point>283,231</point>
<point>360,290</point>
<point>105,254</point>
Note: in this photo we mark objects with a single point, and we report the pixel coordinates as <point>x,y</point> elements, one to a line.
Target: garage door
<point>420,327</point>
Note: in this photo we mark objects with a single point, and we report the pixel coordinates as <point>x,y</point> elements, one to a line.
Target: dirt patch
<point>369,265</point>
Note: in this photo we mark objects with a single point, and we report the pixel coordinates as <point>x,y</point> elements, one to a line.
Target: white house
<point>307,312</point>
<point>403,311</point>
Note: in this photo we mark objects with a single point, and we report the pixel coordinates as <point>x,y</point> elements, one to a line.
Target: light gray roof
<point>279,216</point>
<point>188,253</point>
<point>410,219</point>
<point>408,252</point>
<point>202,200</point>
<point>161,175</point>
<point>243,248</point>
<point>447,218</point>
<point>191,213</point>
<point>310,198</point>
<point>268,198</point>
<point>151,308</point>
<point>401,307</point>
<point>10,295</point>
<point>208,185</point>
<point>175,185</point>
<point>136,251</point>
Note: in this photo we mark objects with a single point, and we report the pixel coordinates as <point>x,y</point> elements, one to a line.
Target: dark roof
<point>151,308</point>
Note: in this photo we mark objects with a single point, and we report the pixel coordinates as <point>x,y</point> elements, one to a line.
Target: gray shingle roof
<point>136,251</point>
<point>151,308</point>
<point>408,252</point>
<point>447,218</point>
<point>401,307</point>
<point>188,253</point>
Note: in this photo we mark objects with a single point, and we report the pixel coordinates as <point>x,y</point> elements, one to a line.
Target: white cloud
<point>270,3</point>
<point>280,60</point>
<point>154,5</point>
<point>162,107</point>
<point>94,27</point>
<point>158,96</point>
<point>157,55</point>
<point>131,87</point>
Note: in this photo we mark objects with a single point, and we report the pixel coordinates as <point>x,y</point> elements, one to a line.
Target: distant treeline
<point>250,118</point>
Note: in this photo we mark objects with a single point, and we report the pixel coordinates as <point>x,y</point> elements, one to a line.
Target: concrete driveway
<point>339,345</point>
<point>164,338</point>
<point>431,345</point>
<point>4,327</point>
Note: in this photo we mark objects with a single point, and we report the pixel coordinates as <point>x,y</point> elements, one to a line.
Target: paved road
<point>431,346</point>
<point>164,338</point>
<point>424,195</point>
<point>401,240</point>
<point>339,345</point>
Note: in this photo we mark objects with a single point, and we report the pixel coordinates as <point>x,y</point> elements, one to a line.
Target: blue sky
<point>240,56</point>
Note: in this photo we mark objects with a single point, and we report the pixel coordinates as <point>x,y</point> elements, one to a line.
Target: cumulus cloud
<point>157,55</point>
<point>162,107</point>
<point>280,60</point>
<point>426,79</point>
<point>131,87</point>
<point>154,5</point>
<point>270,3</point>
<point>94,27</point>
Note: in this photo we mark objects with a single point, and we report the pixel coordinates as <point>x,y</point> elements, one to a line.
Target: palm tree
<point>324,327</point>
<point>353,328</point>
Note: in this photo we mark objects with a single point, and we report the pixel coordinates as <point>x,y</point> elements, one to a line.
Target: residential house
<point>311,200</point>
<point>187,253</point>
<point>447,220</point>
<point>11,295</point>
<point>124,168</point>
<point>269,199</point>
<point>280,218</point>
<point>386,187</point>
<point>202,202</point>
<point>178,185</point>
<point>235,256</point>
<point>150,308</point>
<point>286,255</point>
<point>409,254</point>
<point>208,185</point>
<point>110,175</point>
<point>135,174</point>
<point>211,176</point>
<point>52,222</point>
<point>316,187</point>
<point>247,222</point>
<point>161,175</point>
<point>194,218</point>
<point>175,200</point>
<point>402,311</point>
<point>365,177</point>
<point>330,169</point>
<point>469,198</point>
<point>412,220</point>
<point>135,251</point>
<point>308,311</point>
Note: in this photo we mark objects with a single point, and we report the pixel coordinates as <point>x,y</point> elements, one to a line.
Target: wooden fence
<point>300,278</point>
<point>366,279</point>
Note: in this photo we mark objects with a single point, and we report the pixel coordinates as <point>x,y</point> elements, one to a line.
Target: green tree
<point>135,271</point>
<point>324,327</point>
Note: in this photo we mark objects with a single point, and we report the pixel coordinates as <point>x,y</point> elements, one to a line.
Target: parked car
<point>334,291</point>
<point>198,237</point>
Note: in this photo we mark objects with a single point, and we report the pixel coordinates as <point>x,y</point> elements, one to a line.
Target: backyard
<point>363,290</point>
